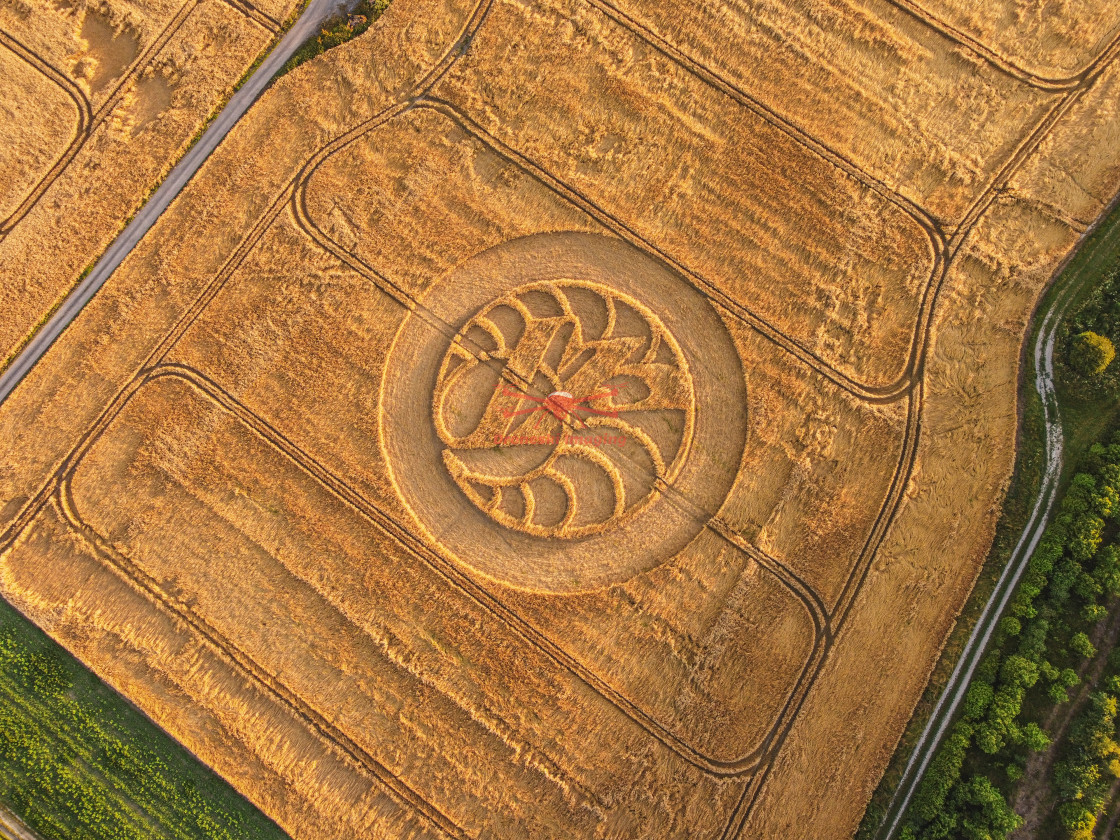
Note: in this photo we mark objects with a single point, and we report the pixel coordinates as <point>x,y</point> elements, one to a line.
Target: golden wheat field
<point>568,418</point>
<point>97,100</point>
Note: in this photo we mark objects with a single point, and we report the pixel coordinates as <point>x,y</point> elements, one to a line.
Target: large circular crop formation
<point>562,412</point>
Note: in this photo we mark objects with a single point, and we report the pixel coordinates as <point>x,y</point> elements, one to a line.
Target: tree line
<point>1032,664</point>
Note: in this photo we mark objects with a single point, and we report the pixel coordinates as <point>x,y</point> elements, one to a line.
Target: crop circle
<point>562,412</point>
<point>588,419</point>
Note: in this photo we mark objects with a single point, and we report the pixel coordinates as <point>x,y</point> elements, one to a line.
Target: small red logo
<point>541,413</point>
<point>561,405</point>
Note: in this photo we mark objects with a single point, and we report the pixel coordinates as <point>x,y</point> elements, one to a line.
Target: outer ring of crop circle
<point>443,512</point>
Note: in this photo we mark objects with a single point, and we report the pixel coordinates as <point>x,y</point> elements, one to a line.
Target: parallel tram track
<point>910,386</point>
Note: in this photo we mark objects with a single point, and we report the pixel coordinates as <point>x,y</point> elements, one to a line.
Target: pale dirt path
<point>316,12</point>
<point>942,717</point>
<point>955,688</point>
<point>1113,812</point>
<point>11,828</point>
<point>1031,800</point>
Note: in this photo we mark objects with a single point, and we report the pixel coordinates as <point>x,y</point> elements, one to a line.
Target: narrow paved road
<point>12,828</point>
<point>959,680</point>
<point>316,12</point>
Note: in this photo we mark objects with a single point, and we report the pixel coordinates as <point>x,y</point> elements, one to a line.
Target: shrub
<point>1065,575</point>
<point>1090,354</point>
<point>1086,537</point>
<point>989,739</point>
<point>1057,693</point>
<point>337,30</point>
<point>1032,642</point>
<point>1035,738</point>
<point>944,771</point>
<point>977,699</point>
<point>1107,570</point>
<point>1019,671</point>
<point>1079,497</point>
<point>1078,821</point>
<point>1092,613</point>
<point>1068,678</point>
<point>990,815</point>
<point>77,762</point>
<point>1073,778</point>
<point>1010,626</point>
<point>1079,643</point>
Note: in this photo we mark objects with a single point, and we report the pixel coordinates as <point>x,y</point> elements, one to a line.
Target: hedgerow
<point>1032,664</point>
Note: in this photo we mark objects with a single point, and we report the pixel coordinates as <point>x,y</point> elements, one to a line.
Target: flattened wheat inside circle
<point>662,372</point>
<point>564,408</point>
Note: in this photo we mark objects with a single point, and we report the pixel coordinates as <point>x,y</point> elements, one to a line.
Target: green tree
<point>987,814</point>
<point>1078,820</point>
<point>1019,671</point>
<point>1086,537</point>
<point>1090,354</point>
<point>1009,625</point>
<point>1079,643</point>
<point>1034,737</point>
<point>1107,570</point>
<point>977,699</point>
<point>1092,613</point>
<point>943,772</point>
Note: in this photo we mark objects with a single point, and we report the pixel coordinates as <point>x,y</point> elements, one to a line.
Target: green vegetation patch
<point>337,30</point>
<point>1091,354</point>
<point>1090,406</point>
<point>1039,654</point>
<point>78,762</point>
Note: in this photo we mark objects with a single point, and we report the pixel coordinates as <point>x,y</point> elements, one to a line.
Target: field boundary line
<point>883,519</point>
<point>98,116</point>
<point>974,44</point>
<point>147,586</point>
<point>919,368</point>
<point>446,568</point>
<point>944,711</point>
<point>732,90</point>
<point>704,286</point>
<point>92,119</point>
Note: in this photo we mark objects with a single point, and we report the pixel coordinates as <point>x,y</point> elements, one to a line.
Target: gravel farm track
<point>942,717</point>
<point>12,828</point>
<point>316,12</point>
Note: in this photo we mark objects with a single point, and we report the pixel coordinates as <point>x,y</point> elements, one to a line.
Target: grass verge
<point>337,30</point>
<point>1086,415</point>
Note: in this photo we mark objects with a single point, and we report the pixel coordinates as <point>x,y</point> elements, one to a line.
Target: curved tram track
<point>943,713</point>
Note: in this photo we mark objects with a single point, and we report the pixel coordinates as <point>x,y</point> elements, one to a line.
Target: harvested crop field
<point>563,418</point>
<point>97,101</point>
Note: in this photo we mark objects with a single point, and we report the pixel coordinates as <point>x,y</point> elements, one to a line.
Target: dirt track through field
<point>827,582</point>
<point>316,12</point>
<point>942,717</point>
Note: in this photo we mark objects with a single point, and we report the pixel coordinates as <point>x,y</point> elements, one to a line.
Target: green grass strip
<point>78,762</point>
<point>337,30</point>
